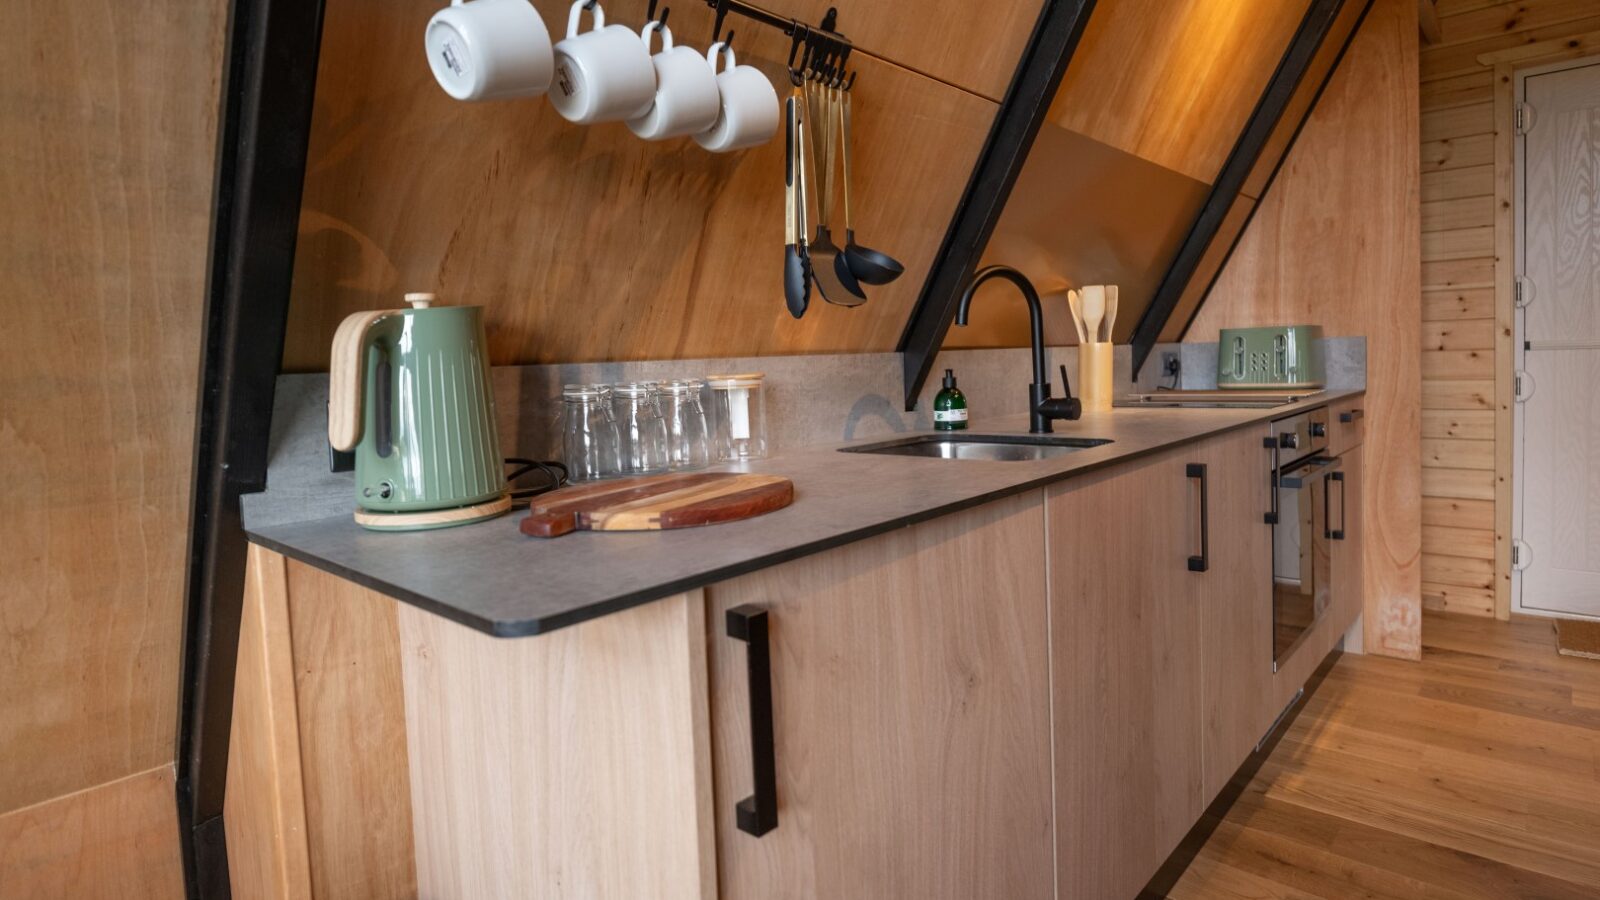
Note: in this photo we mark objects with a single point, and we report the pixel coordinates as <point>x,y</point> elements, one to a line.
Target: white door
<point>1558,422</point>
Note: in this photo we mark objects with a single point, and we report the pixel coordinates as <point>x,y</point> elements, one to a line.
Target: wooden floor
<point>1475,773</point>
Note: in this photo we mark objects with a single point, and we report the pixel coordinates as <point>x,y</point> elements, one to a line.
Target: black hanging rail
<point>794,28</point>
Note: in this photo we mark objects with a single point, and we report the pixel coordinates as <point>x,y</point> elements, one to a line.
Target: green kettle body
<point>422,408</point>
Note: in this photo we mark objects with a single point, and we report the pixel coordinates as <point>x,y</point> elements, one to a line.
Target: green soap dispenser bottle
<point>950,406</point>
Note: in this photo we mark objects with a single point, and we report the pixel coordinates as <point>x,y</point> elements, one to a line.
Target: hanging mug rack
<point>822,42</point>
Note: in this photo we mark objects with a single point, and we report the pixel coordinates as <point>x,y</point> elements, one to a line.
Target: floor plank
<point>1471,775</point>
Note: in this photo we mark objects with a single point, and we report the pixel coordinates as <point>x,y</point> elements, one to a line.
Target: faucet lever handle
<point>1066,386</point>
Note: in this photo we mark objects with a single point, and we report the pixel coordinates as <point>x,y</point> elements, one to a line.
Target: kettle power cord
<point>555,476</point>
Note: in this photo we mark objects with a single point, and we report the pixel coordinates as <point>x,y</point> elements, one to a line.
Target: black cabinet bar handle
<point>1349,415</point>
<point>1338,533</point>
<point>757,814</point>
<point>1202,562</point>
<point>1272,512</point>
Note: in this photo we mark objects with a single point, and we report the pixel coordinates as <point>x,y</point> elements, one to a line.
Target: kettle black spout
<point>1041,408</point>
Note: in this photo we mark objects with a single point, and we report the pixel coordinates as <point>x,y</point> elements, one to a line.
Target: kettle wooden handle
<point>346,377</point>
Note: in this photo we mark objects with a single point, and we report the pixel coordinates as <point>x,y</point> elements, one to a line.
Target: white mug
<point>687,99</point>
<point>602,75</point>
<point>489,50</point>
<point>748,111</point>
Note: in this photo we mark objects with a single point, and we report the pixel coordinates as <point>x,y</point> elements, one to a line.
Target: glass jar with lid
<point>688,438</point>
<point>588,434</point>
<point>641,432</point>
<point>739,406</point>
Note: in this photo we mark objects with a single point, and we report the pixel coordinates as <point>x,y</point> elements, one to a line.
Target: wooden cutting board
<point>657,502</point>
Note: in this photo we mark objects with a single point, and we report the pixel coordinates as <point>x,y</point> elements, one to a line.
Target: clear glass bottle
<point>640,429</point>
<point>739,406</point>
<point>688,439</point>
<point>588,435</point>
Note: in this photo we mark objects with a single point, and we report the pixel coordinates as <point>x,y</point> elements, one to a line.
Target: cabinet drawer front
<point>1347,424</point>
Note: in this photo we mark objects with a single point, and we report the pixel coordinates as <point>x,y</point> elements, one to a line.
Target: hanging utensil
<point>1111,311</point>
<point>802,193</point>
<point>836,290</point>
<point>869,266</point>
<point>796,286</point>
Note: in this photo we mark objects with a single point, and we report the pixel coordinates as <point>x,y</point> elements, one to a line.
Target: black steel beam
<point>1022,112</point>
<point>1311,40</point>
<point>264,126</point>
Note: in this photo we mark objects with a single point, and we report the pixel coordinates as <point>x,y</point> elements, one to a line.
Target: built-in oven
<point>1303,477</point>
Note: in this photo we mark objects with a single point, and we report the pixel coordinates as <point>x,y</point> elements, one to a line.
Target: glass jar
<point>588,434</point>
<point>739,406</point>
<point>688,439</point>
<point>641,432</point>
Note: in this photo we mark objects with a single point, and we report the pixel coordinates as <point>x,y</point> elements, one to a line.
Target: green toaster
<point>1285,356</point>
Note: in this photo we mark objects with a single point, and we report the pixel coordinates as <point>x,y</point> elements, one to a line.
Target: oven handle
<point>1271,443</point>
<point>1307,472</point>
<point>1336,534</point>
<point>1201,563</point>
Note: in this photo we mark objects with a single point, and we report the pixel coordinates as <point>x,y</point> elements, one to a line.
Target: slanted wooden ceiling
<point>1169,84</point>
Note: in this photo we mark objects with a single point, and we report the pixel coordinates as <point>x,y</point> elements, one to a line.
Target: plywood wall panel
<point>583,242</point>
<point>115,841</point>
<point>106,154</point>
<point>1348,191</point>
<point>1201,67</point>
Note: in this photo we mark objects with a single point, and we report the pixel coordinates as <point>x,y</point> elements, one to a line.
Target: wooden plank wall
<point>1335,241</point>
<point>585,243</point>
<point>1466,337</point>
<point>107,129</point>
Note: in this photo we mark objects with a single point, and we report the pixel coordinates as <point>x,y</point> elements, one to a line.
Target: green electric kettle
<point>409,392</point>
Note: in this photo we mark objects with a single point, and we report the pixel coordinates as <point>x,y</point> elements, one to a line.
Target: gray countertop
<point>492,578</point>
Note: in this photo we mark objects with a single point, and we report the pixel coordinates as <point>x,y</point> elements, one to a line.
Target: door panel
<point>1558,429</point>
<point>1560,487</point>
<point>911,716</point>
<point>1124,618</point>
<point>1236,630</point>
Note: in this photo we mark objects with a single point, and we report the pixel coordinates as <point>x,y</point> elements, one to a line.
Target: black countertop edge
<point>514,628</point>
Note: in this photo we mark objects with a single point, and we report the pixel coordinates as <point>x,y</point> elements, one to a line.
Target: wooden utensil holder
<point>1095,376</point>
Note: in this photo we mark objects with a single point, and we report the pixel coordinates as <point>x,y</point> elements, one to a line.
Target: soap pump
<point>950,406</point>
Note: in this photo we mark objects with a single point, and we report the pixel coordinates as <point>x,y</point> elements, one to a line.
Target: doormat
<point>1578,637</point>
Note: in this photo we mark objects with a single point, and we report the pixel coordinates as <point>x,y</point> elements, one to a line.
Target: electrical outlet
<point>1170,364</point>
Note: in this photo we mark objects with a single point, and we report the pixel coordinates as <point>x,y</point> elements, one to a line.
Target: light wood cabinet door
<point>1124,617</point>
<point>1236,626</point>
<point>910,716</point>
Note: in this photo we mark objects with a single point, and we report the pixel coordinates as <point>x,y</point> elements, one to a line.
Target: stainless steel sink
<point>999,447</point>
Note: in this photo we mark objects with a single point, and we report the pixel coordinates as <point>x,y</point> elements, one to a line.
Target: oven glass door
<point>1301,586</point>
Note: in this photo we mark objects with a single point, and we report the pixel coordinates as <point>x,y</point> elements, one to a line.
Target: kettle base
<point>423,520</point>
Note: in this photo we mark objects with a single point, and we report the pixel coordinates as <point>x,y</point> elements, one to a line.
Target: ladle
<point>869,266</point>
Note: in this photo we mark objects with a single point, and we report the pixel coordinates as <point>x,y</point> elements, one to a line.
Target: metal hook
<point>665,11</point>
<point>650,12</point>
<point>722,14</point>
<point>589,5</point>
<point>798,34</point>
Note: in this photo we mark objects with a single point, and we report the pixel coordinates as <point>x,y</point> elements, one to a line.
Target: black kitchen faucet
<point>1041,407</point>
